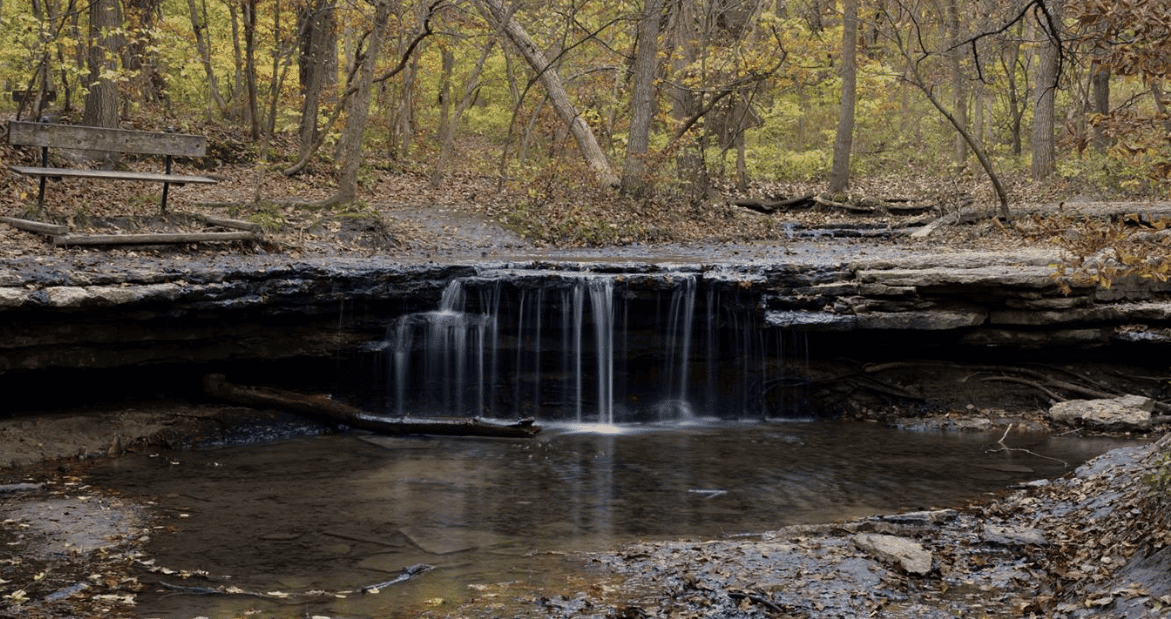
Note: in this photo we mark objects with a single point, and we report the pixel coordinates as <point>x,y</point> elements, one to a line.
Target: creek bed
<point>335,513</point>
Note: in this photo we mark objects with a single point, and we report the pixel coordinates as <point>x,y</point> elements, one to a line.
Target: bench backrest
<point>109,140</point>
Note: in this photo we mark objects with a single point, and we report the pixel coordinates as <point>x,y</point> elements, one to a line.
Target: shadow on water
<point>338,512</point>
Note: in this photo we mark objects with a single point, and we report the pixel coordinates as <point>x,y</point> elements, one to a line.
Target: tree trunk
<point>1100,81</point>
<point>359,109</point>
<point>1043,148</point>
<point>317,65</point>
<point>253,107</point>
<point>839,176</point>
<point>101,99</point>
<point>958,85</point>
<point>582,134</point>
<point>643,100</point>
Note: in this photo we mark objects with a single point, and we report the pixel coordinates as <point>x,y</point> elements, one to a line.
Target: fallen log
<point>216,385</point>
<point>152,239</point>
<point>35,226</point>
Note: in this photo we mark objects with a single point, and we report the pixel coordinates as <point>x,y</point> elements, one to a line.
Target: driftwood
<point>322,407</point>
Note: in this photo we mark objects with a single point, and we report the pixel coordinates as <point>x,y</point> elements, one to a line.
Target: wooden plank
<point>110,140</point>
<point>35,226</point>
<point>152,239</point>
<point>114,175</point>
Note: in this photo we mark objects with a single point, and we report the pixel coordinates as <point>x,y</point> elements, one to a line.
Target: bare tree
<point>839,176</point>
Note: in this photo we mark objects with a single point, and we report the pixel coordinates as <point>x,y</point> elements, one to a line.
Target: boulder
<point>901,551</point>
<point>1131,412</point>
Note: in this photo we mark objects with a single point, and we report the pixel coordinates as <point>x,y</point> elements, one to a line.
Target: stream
<point>335,513</point>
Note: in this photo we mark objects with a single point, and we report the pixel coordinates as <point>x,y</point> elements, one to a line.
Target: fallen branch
<point>755,598</point>
<point>407,574</point>
<point>324,408</point>
<point>1004,447</point>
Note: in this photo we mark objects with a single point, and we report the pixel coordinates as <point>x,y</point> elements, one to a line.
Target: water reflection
<point>340,512</point>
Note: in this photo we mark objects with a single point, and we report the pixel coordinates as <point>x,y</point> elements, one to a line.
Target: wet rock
<point>907,553</point>
<point>1130,412</point>
<point>1013,536</point>
<point>20,487</point>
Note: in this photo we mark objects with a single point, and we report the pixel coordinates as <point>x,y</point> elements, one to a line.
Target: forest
<point>659,104</point>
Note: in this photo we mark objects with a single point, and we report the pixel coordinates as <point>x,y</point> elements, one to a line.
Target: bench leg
<point>166,187</point>
<point>41,192</point>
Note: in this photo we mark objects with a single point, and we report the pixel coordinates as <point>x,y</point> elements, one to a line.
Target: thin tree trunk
<point>253,106</point>
<point>839,176</point>
<point>317,66</point>
<point>359,110</point>
<point>1100,81</point>
<point>643,99</point>
<point>582,134</point>
<point>199,28</point>
<point>958,85</point>
<point>1043,148</point>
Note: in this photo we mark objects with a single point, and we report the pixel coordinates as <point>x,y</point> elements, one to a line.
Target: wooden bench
<point>48,135</point>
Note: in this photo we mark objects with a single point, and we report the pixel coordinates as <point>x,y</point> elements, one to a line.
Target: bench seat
<point>159,177</point>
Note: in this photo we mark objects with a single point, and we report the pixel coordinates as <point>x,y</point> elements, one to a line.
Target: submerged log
<point>216,385</point>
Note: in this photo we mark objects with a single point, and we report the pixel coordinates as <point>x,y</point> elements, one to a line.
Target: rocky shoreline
<point>1096,543</point>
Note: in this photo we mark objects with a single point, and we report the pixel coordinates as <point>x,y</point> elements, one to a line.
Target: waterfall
<point>582,348</point>
<point>680,318</point>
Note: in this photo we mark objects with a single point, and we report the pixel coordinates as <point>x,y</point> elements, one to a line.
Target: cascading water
<point>581,347</point>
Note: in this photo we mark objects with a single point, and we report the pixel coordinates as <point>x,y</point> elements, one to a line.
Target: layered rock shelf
<point>106,314</point>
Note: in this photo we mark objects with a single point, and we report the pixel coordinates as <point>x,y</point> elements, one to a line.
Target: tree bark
<point>252,99</point>
<point>959,87</point>
<point>1100,81</point>
<point>1044,151</point>
<point>101,99</point>
<point>317,65</point>
<point>582,134</point>
<point>359,109</point>
<point>839,176</point>
<point>324,408</point>
<point>643,99</point>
